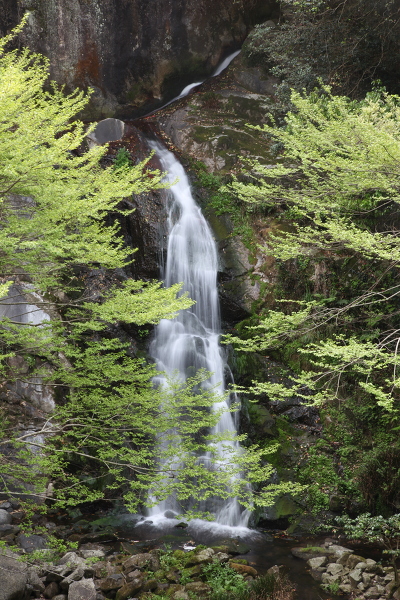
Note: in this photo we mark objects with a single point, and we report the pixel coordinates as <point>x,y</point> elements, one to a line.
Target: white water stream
<point>191,341</point>
<point>186,90</point>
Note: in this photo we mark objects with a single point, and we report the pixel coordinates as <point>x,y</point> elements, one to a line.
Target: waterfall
<point>191,340</point>
<point>186,90</point>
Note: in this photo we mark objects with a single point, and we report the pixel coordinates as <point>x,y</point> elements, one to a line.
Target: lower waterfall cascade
<point>191,341</point>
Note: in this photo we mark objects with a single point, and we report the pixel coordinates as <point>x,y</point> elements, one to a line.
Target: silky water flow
<point>190,342</point>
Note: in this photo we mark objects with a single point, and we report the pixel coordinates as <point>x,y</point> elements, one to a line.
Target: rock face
<point>132,52</point>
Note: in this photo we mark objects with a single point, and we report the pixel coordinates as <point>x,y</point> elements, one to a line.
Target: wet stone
<point>221,557</point>
<point>355,577</point>
<point>334,569</point>
<point>366,578</point>
<point>345,588</point>
<point>317,573</point>
<point>353,560</point>
<point>318,561</point>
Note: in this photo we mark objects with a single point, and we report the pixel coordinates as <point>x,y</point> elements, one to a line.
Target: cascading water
<point>186,90</point>
<point>191,341</point>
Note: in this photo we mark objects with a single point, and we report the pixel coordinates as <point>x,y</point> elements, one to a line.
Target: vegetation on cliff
<point>336,200</point>
<point>346,43</point>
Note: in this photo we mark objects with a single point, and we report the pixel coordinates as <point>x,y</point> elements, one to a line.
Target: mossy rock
<point>191,572</point>
<point>239,561</point>
<point>181,555</point>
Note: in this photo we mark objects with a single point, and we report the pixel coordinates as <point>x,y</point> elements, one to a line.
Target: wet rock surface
<point>131,53</point>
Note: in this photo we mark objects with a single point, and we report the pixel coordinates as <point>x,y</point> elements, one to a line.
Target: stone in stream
<point>353,560</point>
<point>334,569</point>
<point>318,561</point>
<point>243,569</point>
<point>312,552</point>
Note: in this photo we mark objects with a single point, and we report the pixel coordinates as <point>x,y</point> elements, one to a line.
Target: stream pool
<point>261,549</point>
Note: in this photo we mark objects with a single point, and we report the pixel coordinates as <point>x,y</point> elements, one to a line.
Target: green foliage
<point>123,159</point>
<point>266,587</point>
<point>223,580</point>
<point>346,44</point>
<point>332,588</point>
<point>342,159</point>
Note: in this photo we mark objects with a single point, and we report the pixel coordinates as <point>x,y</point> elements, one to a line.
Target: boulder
<point>345,588</point>
<point>353,560</point>
<point>181,595</point>
<point>112,582</point>
<point>372,593</point>
<point>198,588</point>
<point>232,546</point>
<point>396,594</point>
<point>342,560</point>
<point>334,569</point>
<point>5,517</point>
<point>243,569</point>
<point>204,556</point>
<point>337,550</point>
<point>34,581</point>
<point>311,552</point>
<point>318,561</point>
<point>92,553</point>
<point>138,561</point>
<point>13,577</point>
<point>82,590</point>
<point>317,573</point>
<point>390,587</point>
<point>366,579</point>
<point>221,557</point>
<point>150,585</point>
<point>107,130</point>
<point>72,559</point>
<point>76,575</point>
<point>329,579</point>
<point>31,543</point>
<point>355,577</point>
<point>129,589</point>
<point>51,590</point>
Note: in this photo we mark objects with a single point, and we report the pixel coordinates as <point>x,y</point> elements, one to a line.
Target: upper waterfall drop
<point>190,342</point>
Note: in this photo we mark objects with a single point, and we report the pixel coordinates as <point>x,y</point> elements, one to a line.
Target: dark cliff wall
<point>132,52</point>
